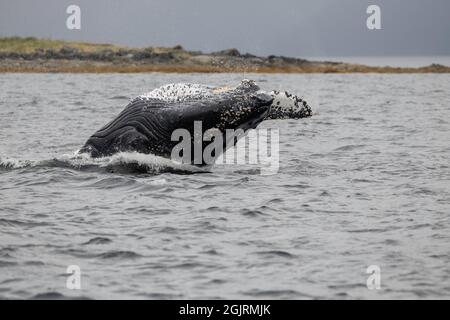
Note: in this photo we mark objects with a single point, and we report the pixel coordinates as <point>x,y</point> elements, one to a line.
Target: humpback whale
<point>147,123</point>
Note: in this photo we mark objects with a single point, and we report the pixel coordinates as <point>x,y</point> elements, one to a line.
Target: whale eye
<point>263,98</point>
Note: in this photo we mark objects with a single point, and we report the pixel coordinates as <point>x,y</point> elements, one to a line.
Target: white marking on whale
<point>284,105</point>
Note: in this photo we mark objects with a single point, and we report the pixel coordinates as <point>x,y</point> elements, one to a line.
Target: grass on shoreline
<point>183,64</point>
<point>31,44</point>
<point>93,68</point>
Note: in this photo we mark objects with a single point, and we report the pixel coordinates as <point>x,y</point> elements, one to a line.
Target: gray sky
<point>263,27</point>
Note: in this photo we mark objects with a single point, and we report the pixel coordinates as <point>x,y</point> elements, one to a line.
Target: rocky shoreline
<point>35,55</point>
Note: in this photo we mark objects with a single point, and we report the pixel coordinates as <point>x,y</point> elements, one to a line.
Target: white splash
<point>123,160</point>
<point>9,163</point>
<point>178,92</point>
<point>149,161</point>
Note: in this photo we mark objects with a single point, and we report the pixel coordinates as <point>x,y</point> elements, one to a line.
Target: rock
<point>144,54</point>
<point>228,52</point>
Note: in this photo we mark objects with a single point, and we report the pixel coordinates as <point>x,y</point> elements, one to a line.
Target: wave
<point>123,162</point>
<point>8,163</point>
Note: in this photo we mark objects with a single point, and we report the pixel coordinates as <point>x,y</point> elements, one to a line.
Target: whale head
<point>288,106</point>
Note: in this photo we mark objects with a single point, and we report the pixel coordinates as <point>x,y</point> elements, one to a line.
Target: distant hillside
<point>43,55</point>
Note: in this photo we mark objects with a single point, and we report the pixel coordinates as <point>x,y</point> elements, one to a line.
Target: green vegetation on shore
<point>30,54</point>
<point>31,44</point>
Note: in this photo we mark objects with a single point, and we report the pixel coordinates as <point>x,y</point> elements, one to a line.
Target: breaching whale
<point>146,124</point>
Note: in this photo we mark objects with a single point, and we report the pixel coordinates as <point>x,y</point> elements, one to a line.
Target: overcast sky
<point>263,27</point>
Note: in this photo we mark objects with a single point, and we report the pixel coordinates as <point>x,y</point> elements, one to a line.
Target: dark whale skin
<point>146,125</point>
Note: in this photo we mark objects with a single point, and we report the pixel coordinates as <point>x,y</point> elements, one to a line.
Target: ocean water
<point>391,61</point>
<point>364,182</point>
